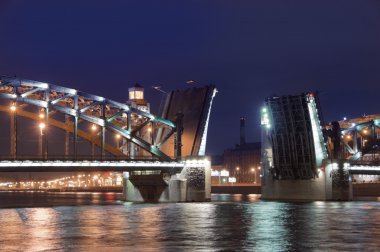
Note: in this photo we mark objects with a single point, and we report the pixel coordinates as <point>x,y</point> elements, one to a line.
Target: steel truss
<point>107,114</point>
<point>361,139</point>
<point>291,137</point>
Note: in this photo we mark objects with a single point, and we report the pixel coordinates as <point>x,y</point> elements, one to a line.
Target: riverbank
<point>115,189</point>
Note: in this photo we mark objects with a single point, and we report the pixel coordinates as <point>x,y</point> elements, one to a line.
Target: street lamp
<point>41,126</point>
<point>159,88</point>
<point>13,107</point>
<point>93,128</point>
<point>190,82</point>
<point>13,130</point>
<point>237,174</point>
<point>150,134</point>
<point>117,136</point>
<point>253,170</point>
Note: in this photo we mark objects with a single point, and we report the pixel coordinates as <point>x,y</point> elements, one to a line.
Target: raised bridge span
<point>305,159</point>
<point>116,136</point>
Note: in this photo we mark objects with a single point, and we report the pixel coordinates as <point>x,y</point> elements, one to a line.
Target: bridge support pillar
<point>332,183</point>
<point>294,190</point>
<point>191,184</point>
<point>338,181</point>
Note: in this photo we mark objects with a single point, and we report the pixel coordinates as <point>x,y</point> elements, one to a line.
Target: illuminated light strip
<point>202,147</point>
<point>319,147</point>
<point>365,168</point>
<point>188,163</point>
<point>88,164</point>
<point>197,163</point>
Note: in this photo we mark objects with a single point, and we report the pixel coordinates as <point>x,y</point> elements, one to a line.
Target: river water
<point>102,222</point>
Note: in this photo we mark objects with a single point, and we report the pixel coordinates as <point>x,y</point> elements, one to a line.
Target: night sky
<point>249,49</point>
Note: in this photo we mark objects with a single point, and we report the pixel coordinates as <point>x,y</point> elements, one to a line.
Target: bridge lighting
<point>117,136</point>
<point>365,131</point>
<point>265,118</point>
<point>42,126</point>
<point>13,107</point>
<point>41,115</point>
<point>93,127</point>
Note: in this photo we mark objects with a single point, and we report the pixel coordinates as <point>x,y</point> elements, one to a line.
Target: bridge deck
<point>68,166</point>
<point>365,169</point>
<point>105,165</point>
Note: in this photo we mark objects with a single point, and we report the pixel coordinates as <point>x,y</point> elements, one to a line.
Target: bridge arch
<point>117,117</point>
<point>62,125</point>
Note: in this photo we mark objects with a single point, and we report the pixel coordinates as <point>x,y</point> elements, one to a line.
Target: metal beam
<point>50,91</point>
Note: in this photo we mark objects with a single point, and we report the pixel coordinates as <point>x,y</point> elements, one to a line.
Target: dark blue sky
<point>249,49</point>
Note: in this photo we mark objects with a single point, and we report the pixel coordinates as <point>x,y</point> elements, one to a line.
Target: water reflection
<point>42,226</point>
<point>229,223</point>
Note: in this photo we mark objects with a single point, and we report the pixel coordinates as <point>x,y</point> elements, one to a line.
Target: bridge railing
<point>78,158</point>
<point>365,163</point>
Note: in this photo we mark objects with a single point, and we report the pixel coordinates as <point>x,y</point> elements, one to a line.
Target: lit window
<point>136,95</point>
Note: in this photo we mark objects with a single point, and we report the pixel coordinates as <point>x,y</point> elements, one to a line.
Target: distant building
<point>243,161</point>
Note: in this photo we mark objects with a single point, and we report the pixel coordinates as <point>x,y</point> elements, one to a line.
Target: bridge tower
<point>136,100</point>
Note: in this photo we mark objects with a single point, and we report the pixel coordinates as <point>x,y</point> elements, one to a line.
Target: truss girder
<point>291,137</point>
<point>362,137</point>
<point>91,108</point>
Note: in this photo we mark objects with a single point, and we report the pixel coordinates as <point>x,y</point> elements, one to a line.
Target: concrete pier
<point>332,183</point>
<point>191,184</point>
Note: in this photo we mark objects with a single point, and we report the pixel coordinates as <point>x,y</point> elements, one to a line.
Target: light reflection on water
<point>101,222</point>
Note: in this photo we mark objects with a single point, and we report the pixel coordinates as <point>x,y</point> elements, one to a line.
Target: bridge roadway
<point>367,170</point>
<point>87,166</point>
<point>360,167</point>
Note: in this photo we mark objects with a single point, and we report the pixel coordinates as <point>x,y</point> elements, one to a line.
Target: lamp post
<point>163,98</point>
<point>43,116</point>
<point>13,129</point>
<point>117,137</point>
<point>259,168</point>
<point>150,134</point>
<point>41,126</point>
<point>191,82</point>
<point>254,171</point>
<point>159,88</point>
<point>93,129</point>
<point>237,174</point>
